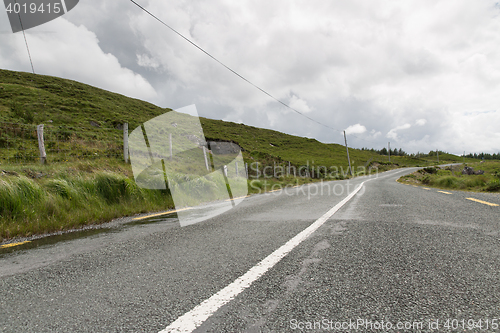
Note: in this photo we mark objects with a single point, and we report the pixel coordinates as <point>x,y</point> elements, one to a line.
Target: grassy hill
<point>68,108</point>
<point>85,180</point>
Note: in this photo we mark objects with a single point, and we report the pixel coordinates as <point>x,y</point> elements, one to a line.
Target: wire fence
<point>19,143</point>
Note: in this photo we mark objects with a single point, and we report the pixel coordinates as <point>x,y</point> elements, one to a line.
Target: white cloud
<point>392,133</point>
<point>355,129</point>
<point>421,122</point>
<point>375,134</point>
<point>299,104</point>
<point>144,60</point>
<point>59,48</point>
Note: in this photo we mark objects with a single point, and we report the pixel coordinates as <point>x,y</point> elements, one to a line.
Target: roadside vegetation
<point>85,180</point>
<point>452,177</point>
<point>38,199</point>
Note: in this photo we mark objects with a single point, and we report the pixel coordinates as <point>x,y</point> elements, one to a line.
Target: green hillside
<point>68,108</point>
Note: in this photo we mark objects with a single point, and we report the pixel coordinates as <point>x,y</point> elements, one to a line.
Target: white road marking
<point>197,316</point>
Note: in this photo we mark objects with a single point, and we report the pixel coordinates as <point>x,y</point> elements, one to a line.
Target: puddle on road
<point>53,239</point>
<point>168,218</point>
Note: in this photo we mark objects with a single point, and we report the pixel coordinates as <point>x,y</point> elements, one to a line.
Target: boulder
<point>467,171</point>
<point>470,171</point>
<point>223,148</point>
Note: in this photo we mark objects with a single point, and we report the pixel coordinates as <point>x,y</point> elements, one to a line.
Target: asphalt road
<point>393,254</point>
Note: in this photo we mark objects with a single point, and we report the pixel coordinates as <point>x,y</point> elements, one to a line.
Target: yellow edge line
<point>13,244</point>
<point>483,202</point>
<point>425,188</point>
<point>246,196</point>
<point>445,192</point>
<point>159,214</point>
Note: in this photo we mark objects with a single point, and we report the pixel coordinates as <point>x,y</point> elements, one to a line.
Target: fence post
<point>125,142</point>
<point>246,170</point>
<point>41,146</point>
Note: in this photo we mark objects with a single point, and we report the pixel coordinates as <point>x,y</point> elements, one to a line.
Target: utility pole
<point>347,149</point>
<point>437,153</point>
<point>389,151</point>
<point>464,156</point>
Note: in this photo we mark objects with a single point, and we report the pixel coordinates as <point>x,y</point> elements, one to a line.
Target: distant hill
<point>79,120</point>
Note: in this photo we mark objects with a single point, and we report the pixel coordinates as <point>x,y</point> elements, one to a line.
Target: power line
<point>25,40</point>
<point>239,75</point>
<point>230,69</point>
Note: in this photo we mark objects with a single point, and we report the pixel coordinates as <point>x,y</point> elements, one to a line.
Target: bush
<point>475,181</point>
<point>493,186</point>
<point>447,181</point>
<point>444,173</point>
<point>431,170</point>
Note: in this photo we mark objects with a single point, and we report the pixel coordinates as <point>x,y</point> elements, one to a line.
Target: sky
<point>420,74</point>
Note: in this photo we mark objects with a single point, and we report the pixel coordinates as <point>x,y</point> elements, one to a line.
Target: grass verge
<point>453,179</point>
<point>43,199</point>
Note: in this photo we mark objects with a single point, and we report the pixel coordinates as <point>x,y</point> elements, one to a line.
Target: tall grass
<point>32,207</point>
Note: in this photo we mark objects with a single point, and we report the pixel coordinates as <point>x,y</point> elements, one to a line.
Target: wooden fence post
<point>125,142</point>
<point>41,146</point>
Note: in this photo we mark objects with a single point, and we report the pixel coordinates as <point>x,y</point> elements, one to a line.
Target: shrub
<point>431,170</point>
<point>447,181</point>
<point>493,186</point>
<point>475,181</point>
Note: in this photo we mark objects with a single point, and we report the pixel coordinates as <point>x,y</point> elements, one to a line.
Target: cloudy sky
<point>422,74</point>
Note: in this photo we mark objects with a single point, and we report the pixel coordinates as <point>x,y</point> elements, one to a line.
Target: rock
<point>223,148</point>
<point>470,171</point>
<point>94,124</point>
<point>467,171</point>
